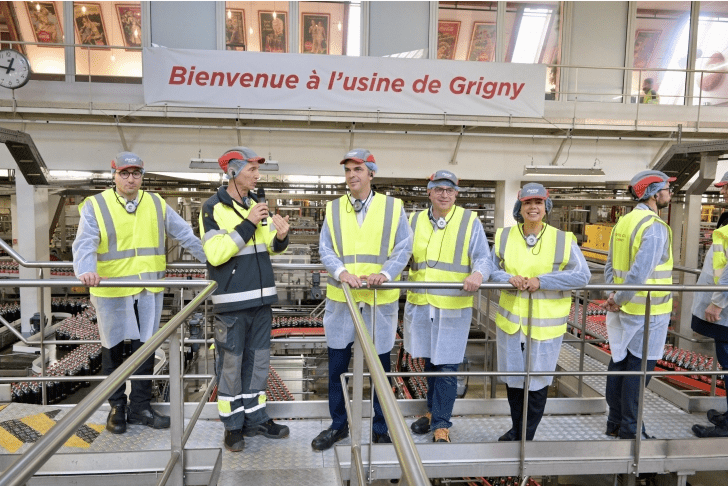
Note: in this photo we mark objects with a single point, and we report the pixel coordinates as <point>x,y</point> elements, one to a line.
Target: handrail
<point>34,458</point>
<point>404,446</point>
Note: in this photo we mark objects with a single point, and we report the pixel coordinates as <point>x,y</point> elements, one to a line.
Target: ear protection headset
<point>130,206</point>
<point>439,222</point>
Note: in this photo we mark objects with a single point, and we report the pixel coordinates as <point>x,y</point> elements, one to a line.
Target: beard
<point>662,205</point>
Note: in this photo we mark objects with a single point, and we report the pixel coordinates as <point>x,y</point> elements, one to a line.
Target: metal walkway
<point>292,461</point>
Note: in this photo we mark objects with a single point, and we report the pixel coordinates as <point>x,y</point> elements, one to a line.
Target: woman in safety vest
<point>545,264</point>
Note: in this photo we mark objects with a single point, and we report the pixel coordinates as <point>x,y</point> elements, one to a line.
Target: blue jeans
<point>441,394</point>
<point>338,364</point>
<point>623,393</point>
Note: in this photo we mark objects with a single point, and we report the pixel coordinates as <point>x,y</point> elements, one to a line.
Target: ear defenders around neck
<point>358,205</point>
<point>441,223</point>
<point>130,207</point>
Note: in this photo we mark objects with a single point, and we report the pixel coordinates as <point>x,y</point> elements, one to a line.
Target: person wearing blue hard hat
<point>640,252</point>
<point>543,264</point>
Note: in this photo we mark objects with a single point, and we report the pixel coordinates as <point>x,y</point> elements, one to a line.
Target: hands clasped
<point>524,283</point>
<point>356,282</point>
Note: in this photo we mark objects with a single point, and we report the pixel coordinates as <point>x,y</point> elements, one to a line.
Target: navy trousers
<point>338,364</point>
<point>623,393</point>
<point>441,394</point>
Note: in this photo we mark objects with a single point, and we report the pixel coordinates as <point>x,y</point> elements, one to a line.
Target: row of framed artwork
<point>91,27</point>
<point>273,28</point>
<point>89,21</point>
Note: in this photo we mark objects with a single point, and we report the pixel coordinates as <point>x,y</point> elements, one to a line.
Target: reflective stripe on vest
<point>243,296</point>
<point>129,247</point>
<point>451,263</point>
<point>365,249</point>
<point>720,242</point>
<point>550,308</point>
<point>625,243</point>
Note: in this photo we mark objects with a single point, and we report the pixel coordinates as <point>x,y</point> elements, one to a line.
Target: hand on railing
<point>375,279</point>
<point>525,284</point>
<point>610,305</point>
<point>346,277</point>
<point>90,279</point>
<point>472,282</point>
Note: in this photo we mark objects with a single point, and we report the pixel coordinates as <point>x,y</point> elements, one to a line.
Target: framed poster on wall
<point>447,38</point>
<point>235,29</point>
<point>45,22</point>
<point>89,24</point>
<point>645,42</point>
<point>273,31</point>
<point>482,42</point>
<point>130,21</point>
<point>315,33</point>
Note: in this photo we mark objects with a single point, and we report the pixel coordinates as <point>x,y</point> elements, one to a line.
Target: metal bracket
<point>121,134</point>
<point>454,160</point>
<point>351,136</point>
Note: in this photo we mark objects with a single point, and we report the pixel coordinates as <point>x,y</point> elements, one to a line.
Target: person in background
<point>122,235</point>
<point>708,316</point>
<point>545,262</point>
<point>650,96</point>
<point>640,252</point>
<point>449,246</point>
<point>238,236</point>
<point>365,237</point>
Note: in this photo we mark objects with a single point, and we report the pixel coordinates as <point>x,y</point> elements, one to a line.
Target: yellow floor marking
<point>9,441</point>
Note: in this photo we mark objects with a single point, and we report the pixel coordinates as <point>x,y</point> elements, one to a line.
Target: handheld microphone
<point>261,199</point>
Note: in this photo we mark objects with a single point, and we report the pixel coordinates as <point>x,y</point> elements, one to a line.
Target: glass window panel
<point>661,42</point>
<point>113,33</point>
<point>40,23</point>
<point>712,52</point>
<point>322,27</point>
<point>532,33</point>
<point>257,26</point>
<point>466,31</point>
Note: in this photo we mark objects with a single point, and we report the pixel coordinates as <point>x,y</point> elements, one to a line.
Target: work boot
<point>116,421</point>
<point>510,436</point>
<point>381,438</point>
<point>329,437</point>
<point>150,418</point>
<point>708,431</point>
<point>716,418</point>
<point>422,424</point>
<point>268,429</point>
<point>234,440</point>
<point>612,429</point>
<point>441,435</point>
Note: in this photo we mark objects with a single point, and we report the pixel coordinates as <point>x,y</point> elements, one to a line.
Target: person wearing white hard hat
<point>449,246</point>
<point>122,235</point>
<point>640,252</point>
<point>545,264</point>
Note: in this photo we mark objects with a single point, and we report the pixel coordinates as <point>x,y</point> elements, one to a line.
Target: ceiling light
<point>561,171</point>
<point>213,165</point>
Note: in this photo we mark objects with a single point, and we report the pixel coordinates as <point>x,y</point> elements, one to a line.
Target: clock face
<point>14,69</point>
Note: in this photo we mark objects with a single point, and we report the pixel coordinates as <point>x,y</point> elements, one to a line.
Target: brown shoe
<point>441,435</point>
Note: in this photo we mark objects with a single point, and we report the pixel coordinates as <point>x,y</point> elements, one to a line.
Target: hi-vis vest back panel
<point>720,243</point>
<point>132,246</point>
<point>550,307</point>
<point>363,250</point>
<point>441,256</point>
<point>625,243</point>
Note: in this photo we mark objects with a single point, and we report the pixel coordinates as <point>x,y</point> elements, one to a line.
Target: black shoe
<point>509,436</point>
<point>717,418</point>
<point>234,440</point>
<point>645,436</point>
<point>116,421</point>
<point>707,431</point>
<point>148,417</point>
<point>329,437</point>
<point>421,425</point>
<point>268,429</point>
<point>612,429</point>
<point>381,438</point>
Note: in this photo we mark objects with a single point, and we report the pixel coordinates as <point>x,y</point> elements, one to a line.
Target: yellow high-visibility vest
<point>550,307</point>
<point>625,243</point>
<point>720,242</point>
<point>441,256</point>
<point>365,249</point>
<point>132,245</point>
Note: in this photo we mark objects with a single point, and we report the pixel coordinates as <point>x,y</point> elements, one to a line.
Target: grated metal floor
<point>292,461</point>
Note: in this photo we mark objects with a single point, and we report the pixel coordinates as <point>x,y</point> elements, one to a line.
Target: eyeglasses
<point>667,189</point>
<point>137,174</point>
<point>448,191</point>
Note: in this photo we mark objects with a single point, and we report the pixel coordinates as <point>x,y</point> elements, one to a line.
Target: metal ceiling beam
<point>26,155</point>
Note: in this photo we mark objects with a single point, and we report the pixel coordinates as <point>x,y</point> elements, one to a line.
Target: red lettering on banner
<point>234,78</point>
<point>178,75</point>
<point>217,77</point>
<point>397,85</point>
<point>245,80</point>
<point>201,78</point>
<point>291,81</point>
<point>192,75</point>
<point>486,90</point>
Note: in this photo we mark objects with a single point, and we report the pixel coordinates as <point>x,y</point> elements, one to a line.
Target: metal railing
<point>401,439</point>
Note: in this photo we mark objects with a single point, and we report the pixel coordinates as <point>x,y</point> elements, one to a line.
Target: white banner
<point>254,80</point>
